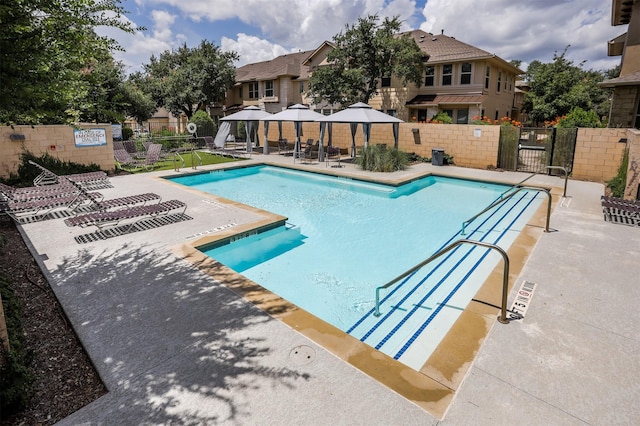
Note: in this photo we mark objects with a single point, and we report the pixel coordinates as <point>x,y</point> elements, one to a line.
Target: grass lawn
<point>171,164</point>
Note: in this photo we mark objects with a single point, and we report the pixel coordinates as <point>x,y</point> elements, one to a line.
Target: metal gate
<point>529,149</point>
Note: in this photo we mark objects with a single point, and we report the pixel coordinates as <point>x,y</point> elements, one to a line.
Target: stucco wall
<point>56,140</point>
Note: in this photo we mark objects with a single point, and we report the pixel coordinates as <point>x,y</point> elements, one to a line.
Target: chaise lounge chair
<point>36,192</point>
<point>112,218</point>
<point>617,210</point>
<point>93,180</point>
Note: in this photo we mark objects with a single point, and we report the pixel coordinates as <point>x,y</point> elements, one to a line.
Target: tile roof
<point>632,79</point>
<point>446,99</point>
<point>289,64</point>
<point>442,48</point>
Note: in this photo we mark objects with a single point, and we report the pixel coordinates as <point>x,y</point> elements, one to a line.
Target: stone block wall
<point>598,153</point>
<point>56,140</point>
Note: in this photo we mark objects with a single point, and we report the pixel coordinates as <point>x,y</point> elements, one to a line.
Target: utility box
<point>437,157</point>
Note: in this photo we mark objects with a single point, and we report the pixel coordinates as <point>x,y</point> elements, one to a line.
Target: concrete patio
<point>174,346</point>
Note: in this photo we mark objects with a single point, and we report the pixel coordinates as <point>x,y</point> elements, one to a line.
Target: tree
<point>185,80</point>
<point>558,87</point>
<point>44,47</point>
<point>362,55</point>
<point>107,96</point>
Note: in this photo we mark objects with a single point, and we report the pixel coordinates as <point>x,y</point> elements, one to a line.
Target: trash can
<point>437,156</point>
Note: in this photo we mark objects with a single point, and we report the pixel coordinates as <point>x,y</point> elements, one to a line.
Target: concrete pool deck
<point>173,346</point>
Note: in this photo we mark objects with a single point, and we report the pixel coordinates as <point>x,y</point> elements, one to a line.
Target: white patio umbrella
<point>298,114</point>
<point>362,113</point>
<point>250,115</point>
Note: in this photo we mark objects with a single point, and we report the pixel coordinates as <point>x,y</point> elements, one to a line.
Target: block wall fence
<point>598,155</point>
<point>56,140</point>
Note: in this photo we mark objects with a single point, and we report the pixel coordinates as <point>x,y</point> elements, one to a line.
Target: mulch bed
<point>65,379</point>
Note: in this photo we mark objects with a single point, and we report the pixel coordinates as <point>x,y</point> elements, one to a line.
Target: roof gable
<point>290,64</point>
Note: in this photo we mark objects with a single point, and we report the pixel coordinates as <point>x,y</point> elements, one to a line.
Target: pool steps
<point>434,296</point>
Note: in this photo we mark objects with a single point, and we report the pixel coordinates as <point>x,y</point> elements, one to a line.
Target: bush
<point>15,377</point>
<point>618,184</point>
<point>204,123</point>
<point>379,158</point>
<point>580,118</point>
<point>127,133</point>
<point>441,118</point>
<point>28,172</point>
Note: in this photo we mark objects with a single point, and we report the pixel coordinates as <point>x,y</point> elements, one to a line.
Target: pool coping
<point>432,388</point>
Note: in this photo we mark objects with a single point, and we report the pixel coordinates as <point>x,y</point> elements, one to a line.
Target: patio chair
<point>332,155</point>
<point>284,147</point>
<point>89,179</point>
<point>42,208</point>
<point>307,154</point>
<point>36,192</point>
<point>617,210</point>
<point>125,161</point>
<point>113,218</point>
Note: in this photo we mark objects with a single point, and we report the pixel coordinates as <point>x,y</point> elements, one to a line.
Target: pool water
<point>345,237</point>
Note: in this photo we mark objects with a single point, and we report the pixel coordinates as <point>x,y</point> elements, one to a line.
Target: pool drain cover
<point>302,355</point>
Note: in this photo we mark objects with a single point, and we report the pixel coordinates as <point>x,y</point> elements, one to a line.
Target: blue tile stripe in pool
<point>453,291</point>
<point>399,287</point>
<point>501,213</point>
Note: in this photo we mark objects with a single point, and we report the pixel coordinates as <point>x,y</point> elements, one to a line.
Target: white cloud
<point>252,49</point>
<point>529,30</point>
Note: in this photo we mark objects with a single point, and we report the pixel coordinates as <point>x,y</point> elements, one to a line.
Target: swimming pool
<point>345,237</point>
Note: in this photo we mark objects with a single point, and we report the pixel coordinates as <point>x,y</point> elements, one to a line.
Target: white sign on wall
<point>90,137</point>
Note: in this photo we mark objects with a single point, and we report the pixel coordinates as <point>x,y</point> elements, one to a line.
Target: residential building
<point>625,102</point>
<point>271,85</point>
<point>461,80</point>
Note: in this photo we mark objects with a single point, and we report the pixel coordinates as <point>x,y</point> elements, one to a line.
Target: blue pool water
<point>345,237</point>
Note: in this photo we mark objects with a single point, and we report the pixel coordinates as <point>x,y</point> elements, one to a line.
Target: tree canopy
<point>362,55</point>
<point>45,48</point>
<point>558,87</point>
<point>187,79</point>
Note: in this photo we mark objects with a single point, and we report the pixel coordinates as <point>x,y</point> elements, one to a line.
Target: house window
<point>463,116</point>
<point>487,78</point>
<point>499,81</point>
<point>447,74</point>
<point>430,76</point>
<point>392,112</point>
<point>302,87</point>
<point>268,89</point>
<point>449,112</point>
<point>496,119</point>
<point>465,73</point>
<point>253,90</point>
<point>386,82</point>
<point>240,92</point>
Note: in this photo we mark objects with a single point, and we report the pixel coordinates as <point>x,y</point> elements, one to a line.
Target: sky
<point>260,30</point>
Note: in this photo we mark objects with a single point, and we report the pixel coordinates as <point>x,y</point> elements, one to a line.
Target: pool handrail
<point>505,274</point>
<point>503,199</point>
<point>566,177</point>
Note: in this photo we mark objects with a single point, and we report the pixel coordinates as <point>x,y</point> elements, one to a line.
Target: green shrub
<point>15,376</point>
<point>204,123</point>
<point>580,118</point>
<point>618,184</point>
<point>28,172</point>
<point>379,158</point>
<point>441,118</point>
<point>127,133</point>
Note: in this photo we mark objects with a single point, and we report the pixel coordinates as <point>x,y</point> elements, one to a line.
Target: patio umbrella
<point>250,115</point>
<point>362,113</point>
<point>298,114</point>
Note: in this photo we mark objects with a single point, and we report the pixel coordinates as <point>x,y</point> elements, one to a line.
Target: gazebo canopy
<point>298,114</point>
<point>251,115</point>
<point>362,113</point>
